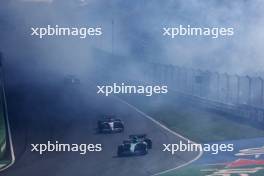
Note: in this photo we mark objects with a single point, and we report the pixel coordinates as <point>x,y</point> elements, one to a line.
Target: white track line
<point>8,131</point>
<point>165,128</point>
<point>169,130</point>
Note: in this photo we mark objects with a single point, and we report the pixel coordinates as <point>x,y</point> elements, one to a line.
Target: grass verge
<point>197,124</point>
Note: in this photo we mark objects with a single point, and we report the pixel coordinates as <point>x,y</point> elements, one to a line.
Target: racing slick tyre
<point>141,149</point>
<point>149,143</point>
<point>120,151</point>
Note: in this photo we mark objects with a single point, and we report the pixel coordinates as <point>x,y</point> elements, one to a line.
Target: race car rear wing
<point>137,136</point>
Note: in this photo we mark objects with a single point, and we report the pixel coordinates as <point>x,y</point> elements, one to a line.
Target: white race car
<point>110,125</point>
<point>136,145</point>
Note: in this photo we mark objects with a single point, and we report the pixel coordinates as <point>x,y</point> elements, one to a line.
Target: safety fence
<point>240,95</point>
<point>2,130</point>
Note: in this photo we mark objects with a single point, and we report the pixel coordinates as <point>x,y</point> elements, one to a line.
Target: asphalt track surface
<point>40,112</point>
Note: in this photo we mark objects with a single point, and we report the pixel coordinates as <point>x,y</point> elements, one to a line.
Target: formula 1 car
<point>142,137</point>
<point>71,79</point>
<point>136,145</point>
<point>110,125</point>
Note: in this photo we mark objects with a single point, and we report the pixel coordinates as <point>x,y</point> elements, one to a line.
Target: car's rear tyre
<point>122,130</point>
<point>149,143</point>
<point>120,151</point>
<point>141,149</point>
